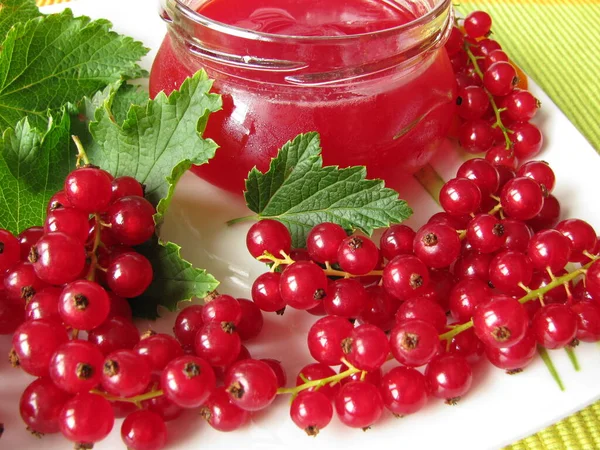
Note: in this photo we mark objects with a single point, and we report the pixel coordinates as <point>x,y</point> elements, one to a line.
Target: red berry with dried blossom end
<point>125,374</point>
<point>367,347</point>
<point>403,390</point>
<point>187,323</point>
<point>346,298</point>
<point>478,24</point>
<point>131,220</point>
<point>116,333</point>
<point>86,418</point>
<point>251,384</point>
<point>500,78</point>
<point>303,285</point>
<point>482,173</point>
<point>311,412</point>
<point>588,320</point>
<point>125,187</point>
<point>44,305</point>
<point>414,342</point>
<point>437,245</point>
<point>357,255</point>
<point>485,233</point>
<point>554,326</point>
<point>265,292</point>
<point>188,381</point>
<point>58,200</point>
<point>76,366</point>
<point>549,249</point>
<point>460,196</point>
<point>527,140</point>
<point>500,322</point>
<point>84,305</point>
<point>221,413</point>
<point>358,405</point>
<point>323,241</point>
<point>521,105</point>
<point>396,240</point>
<point>129,274</point>
<point>325,339</point>
<point>510,271</point>
<point>516,357</point>
<point>144,430</point>
<point>425,309</point>
<point>449,377</point>
<point>405,277</point>
<point>268,236</point>
<point>218,343</point>
<point>10,250</point>
<point>34,343</point>
<point>252,320</point>
<point>58,258</point>
<point>40,406</point>
<point>318,371</point>
<point>582,236</point>
<point>466,296</point>
<point>88,189</point>
<point>29,238</point>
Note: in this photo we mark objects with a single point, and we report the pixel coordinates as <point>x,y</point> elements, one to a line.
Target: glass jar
<point>382,99</point>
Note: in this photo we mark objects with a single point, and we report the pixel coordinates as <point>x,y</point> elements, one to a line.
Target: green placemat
<point>558,44</point>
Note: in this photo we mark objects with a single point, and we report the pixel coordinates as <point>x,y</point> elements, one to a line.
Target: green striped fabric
<point>558,44</point>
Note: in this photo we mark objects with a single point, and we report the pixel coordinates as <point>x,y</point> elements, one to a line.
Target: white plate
<point>499,410</point>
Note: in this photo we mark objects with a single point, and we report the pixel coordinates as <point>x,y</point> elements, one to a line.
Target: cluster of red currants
<point>63,297</point>
<point>494,260</point>
<point>494,111</point>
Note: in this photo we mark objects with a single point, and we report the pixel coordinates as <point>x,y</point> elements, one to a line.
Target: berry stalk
<point>321,382</point>
<point>136,400</point>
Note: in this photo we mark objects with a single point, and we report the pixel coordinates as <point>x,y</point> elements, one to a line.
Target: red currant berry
<point>158,350</point>
<point>125,187</point>
<point>346,298</point>
<point>516,235</point>
<point>414,342</point>
<point>188,381</point>
<point>40,406</point>
<point>582,236</point>
<point>69,221</point>
<point>325,339</point>
<point>493,57</point>
<point>358,405</point>
<point>478,24</point>
<point>465,296</point>
<point>458,222</point>
<point>540,172</point>
<point>588,320</point>
<point>251,384</point>
<point>218,343</point>
<point>277,368</point>
<point>422,309</point>
<point>221,413</point>
<point>223,308</point>
<point>35,342</point>
<point>522,198</point>
<point>116,333</point>
<point>527,140</point>
<point>405,277</point>
<point>548,216</point>
<point>482,173</point>
<point>76,366</point>
<point>500,78</point>
<point>10,250</point>
<point>460,196</point>
<point>252,320</point>
<point>473,265</point>
<point>472,102</point>
<point>88,189</point>
<point>265,292</point>
<point>28,238</point>
<point>381,308</point>
<point>119,307</point>
<point>554,326</point>
<point>318,371</point>
<point>311,412</point>
<point>455,42</point>
<point>476,136</point>
<point>303,285</point>
<point>403,390</point>
<point>437,245</point>
<point>549,249</point>
<point>485,233</point>
<point>521,105</point>
<point>44,305</point>
<point>125,374</point>
<point>84,305</point>
<point>397,240</point>
<point>516,357</point>
<point>58,258</point>
<point>86,418</point>
<point>357,255</point>
<point>129,274</point>
<point>449,377</point>
<point>467,345</point>
<point>161,405</point>
<point>268,236</point>
<point>57,201</point>
<point>500,322</point>
<point>323,242</point>
<point>144,430</point>
<point>187,324</point>
<point>131,220</point>
<point>500,156</point>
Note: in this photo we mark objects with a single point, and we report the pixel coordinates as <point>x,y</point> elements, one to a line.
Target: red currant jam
<point>371,76</point>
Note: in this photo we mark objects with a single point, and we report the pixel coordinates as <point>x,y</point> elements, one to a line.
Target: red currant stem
<point>551,368</point>
<point>590,255</point>
<point>495,209</point>
<point>495,197</point>
<point>321,382</point>
<point>91,276</point>
<point>328,270</point>
<point>531,295</point>
<point>462,234</point>
<point>137,399</point>
<point>573,358</point>
<point>81,155</point>
<point>242,219</point>
<point>74,334</point>
<point>498,123</point>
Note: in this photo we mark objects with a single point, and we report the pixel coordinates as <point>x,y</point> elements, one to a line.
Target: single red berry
<point>403,390</point>
<point>10,250</point>
<point>44,305</point>
<point>88,189</point>
<point>582,236</point>
<point>500,78</point>
<point>521,105</point>
<point>437,245</point>
<point>187,323</point>
<point>510,271</point>
<point>277,368</point>
<point>478,24</point>
<point>311,411</point>
<point>323,242</point>
<point>455,42</point>
<point>188,381</point>
<point>268,236</point>
<point>221,413</point>
<point>132,220</point>
<point>449,377</point>
<point>381,308</point>
<point>500,322</point>
<point>472,102</point>
<point>357,255</point>
<point>84,305</point>
<point>485,233</point>
<point>116,333</point>
<point>58,200</point>
<point>119,307</point>
<point>70,221</point>
<point>35,342</point>
<point>396,240</point>
<point>346,298</point>
<point>424,309</point>
<point>76,366</point>
<point>405,277</point>
<point>86,418</point>
<point>527,140</point>
<point>414,342</point>
<point>522,198</point>
<point>158,350</point>
<point>40,406</point>
<point>467,345</point>
<point>303,285</point>
<point>125,373</point>
<point>516,357</point>
<point>58,258</point>
<point>588,320</point>
<point>500,156</point>
<point>476,136</point>
<point>358,405</point>
<point>129,274</point>
<point>482,173</point>
<point>251,384</point>
<point>549,249</point>
<point>516,235</point>
<point>325,339</point>
<point>367,347</point>
<point>125,187</point>
<point>265,292</point>
<point>252,320</point>
<point>218,343</point>
<point>548,216</point>
<point>473,265</point>
<point>460,196</point>
<point>144,430</point>
<point>554,326</point>
<point>466,295</point>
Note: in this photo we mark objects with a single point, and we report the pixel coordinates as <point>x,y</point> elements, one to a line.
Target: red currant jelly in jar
<point>371,76</point>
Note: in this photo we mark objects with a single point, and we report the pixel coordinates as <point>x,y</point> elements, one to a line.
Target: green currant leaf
<point>159,141</point>
<point>55,59</point>
<point>175,280</point>
<point>14,11</point>
<point>299,192</point>
<point>33,166</point>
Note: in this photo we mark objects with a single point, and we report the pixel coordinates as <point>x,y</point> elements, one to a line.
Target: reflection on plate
<point>499,410</point>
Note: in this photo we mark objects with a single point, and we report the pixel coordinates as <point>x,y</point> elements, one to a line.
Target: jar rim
<point>439,7</point>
